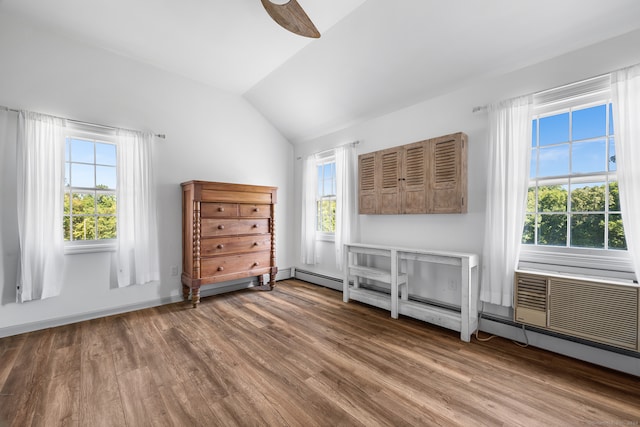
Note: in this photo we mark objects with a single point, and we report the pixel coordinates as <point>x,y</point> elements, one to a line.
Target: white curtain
<point>507,184</point>
<point>346,196</point>
<point>137,253</point>
<point>40,163</point>
<point>308,253</point>
<point>625,92</point>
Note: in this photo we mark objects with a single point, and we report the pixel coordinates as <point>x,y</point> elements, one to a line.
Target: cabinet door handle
<point>220,268</point>
<point>221,227</point>
<point>220,246</point>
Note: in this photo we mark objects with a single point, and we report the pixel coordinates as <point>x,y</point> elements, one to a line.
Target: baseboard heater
<point>318,279</point>
<point>600,311</point>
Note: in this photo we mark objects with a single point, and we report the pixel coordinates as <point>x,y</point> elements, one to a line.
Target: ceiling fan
<point>290,15</point>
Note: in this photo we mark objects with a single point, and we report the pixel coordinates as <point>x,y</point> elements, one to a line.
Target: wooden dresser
<point>228,232</point>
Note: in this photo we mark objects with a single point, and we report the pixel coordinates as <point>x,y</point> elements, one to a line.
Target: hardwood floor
<point>295,356</point>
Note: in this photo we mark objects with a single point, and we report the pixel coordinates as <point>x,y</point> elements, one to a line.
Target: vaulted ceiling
<point>374,56</point>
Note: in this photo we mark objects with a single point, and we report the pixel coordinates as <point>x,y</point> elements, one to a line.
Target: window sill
<point>75,248</point>
<point>584,262</point>
<point>325,237</point>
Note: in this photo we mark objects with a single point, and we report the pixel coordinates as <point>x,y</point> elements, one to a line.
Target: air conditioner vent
<point>532,292</point>
<point>531,299</point>
<point>596,311</point>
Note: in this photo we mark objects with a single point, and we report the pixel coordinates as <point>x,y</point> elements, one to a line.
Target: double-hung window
<point>90,202</point>
<point>573,220</point>
<point>326,198</point>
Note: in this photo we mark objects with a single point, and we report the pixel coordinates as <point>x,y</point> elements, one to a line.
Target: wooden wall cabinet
<point>228,232</point>
<point>423,177</point>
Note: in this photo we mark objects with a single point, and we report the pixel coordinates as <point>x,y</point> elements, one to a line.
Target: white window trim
<point>588,262</point>
<point>81,130</point>
<point>568,260</point>
<point>82,247</point>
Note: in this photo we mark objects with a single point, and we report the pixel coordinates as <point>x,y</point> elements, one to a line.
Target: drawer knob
<point>256,209</point>
<point>220,246</point>
<point>255,264</point>
<point>220,268</point>
<point>221,227</point>
<point>255,243</point>
<point>220,209</point>
<point>255,225</point>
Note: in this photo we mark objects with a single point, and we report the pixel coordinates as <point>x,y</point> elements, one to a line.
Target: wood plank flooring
<point>296,356</point>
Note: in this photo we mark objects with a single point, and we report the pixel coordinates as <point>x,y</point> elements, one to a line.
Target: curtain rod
<point>159,135</point>
<point>484,107</point>
<point>353,144</point>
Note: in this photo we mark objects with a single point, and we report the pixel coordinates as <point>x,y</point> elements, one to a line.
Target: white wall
<point>211,135</point>
<point>448,114</point>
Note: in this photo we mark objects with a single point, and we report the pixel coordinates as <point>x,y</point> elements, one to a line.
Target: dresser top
<point>224,191</point>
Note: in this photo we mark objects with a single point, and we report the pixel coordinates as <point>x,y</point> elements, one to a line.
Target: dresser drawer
<point>232,245</point>
<point>213,210</point>
<point>256,211</point>
<point>224,265</point>
<point>231,227</point>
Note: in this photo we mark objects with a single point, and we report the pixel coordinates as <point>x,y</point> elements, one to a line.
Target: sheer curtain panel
<point>507,184</point>
<point>137,250</point>
<point>40,160</point>
<point>625,92</point>
<point>308,224</point>
<point>346,196</point>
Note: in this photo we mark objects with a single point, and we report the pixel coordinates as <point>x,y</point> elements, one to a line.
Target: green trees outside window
<point>90,204</point>
<point>326,216</point>
<point>581,218</point>
<point>94,216</point>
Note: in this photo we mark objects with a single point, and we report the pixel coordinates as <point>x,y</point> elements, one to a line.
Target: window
<point>90,203</point>
<point>573,222</point>
<point>573,193</point>
<point>326,197</point>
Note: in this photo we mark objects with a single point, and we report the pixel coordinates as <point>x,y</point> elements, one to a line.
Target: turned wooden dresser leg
<point>186,290</point>
<point>195,297</point>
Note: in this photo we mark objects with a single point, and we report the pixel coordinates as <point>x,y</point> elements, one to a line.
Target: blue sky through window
<point>573,143</point>
<point>589,123</point>
<point>90,164</point>
<point>327,179</point>
<point>554,129</point>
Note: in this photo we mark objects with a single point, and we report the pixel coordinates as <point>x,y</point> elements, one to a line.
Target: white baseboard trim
<point>75,318</point>
<point>628,363</point>
<point>205,291</point>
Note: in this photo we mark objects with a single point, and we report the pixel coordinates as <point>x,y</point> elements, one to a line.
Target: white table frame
<point>397,302</point>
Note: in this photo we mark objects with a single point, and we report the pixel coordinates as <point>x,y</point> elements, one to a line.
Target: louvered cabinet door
<point>367,188</point>
<point>414,178</point>
<point>389,195</point>
<point>448,174</point>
